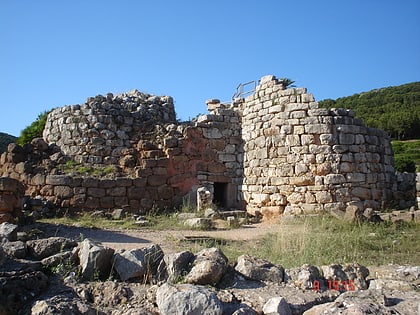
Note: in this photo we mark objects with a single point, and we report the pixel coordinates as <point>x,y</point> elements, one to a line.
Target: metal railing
<point>245,89</point>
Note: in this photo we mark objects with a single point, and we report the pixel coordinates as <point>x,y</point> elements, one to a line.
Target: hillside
<point>5,139</point>
<point>394,109</point>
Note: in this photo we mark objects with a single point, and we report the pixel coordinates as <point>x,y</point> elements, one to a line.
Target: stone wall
<point>98,131</point>
<point>300,158</point>
<point>274,152</point>
<point>11,193</point>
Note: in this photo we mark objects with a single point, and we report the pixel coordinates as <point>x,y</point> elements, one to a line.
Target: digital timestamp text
<point>339,285</point>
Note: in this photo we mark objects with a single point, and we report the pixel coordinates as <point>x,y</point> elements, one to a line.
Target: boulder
<point>209,265</point>
<point>138,263</point>
<point>187,299</point>
<point>15,249</point>
<point>199,223</point>
<point>178,265</point>
<point>42,248</point>
<point>304,277</point>
<point>118,214</point>
<point>8,231</point>
<point>60,258</point>
<point>277,305</point>
<point>259,269</point>
<point>353,274</point>
<point>95,259</point>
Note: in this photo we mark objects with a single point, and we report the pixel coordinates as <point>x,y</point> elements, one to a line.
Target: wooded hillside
<point>394,109</point>
<point>5,139</point>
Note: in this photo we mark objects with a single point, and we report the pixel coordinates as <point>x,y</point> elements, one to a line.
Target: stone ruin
<point>274,151</point>
<point>11,194</point>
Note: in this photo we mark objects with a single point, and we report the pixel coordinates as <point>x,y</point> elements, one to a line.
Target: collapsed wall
<point>300,158</point>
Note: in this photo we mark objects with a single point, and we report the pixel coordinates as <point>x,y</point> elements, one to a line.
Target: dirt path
<point>169,240</point>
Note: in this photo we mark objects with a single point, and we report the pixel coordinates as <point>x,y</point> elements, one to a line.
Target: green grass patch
<point>326,240</point>
<point>306,240</point>
<point>73,168</point>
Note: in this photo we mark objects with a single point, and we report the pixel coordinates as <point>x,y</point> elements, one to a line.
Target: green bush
<point>34,130</point>
<point>405,164</point>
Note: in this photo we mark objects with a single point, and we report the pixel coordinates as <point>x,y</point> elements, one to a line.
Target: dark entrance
<point>220,194</point>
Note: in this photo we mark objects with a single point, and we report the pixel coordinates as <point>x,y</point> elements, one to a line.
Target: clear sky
<point>59,52</point>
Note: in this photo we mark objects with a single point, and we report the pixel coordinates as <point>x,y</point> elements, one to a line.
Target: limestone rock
<point>15,249</point>
<point>8,231</point>
<point>43,248</point>
<point>209,265</point>
<point>259,269</point>
<point>178,265</point>
<point>95,259</point>
<point>199,223</point>
<point>138,263</point>
<point>277,306</point>
<point>355,273</point>
<point>187,299</point>
<point>304,276</point>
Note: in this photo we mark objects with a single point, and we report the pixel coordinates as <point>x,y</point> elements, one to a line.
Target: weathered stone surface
<point>259,269</point>
<point>95,259</point>
<point>277,305</point>
<point>199,223</point>
<point>45,247</point>
<point>187,299</point>
<point>208,267</point>
<point>138,263</point>
<point>304,276</point>
<point>178,265</point>
<point>16,249</point>
<point>8,231</point>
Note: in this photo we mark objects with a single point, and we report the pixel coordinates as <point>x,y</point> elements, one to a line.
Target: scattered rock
<point>259,269</point>
<point>187,299</point>
<point>199,223</point>
<point>118,214</point>
<point>8,231</point>
<point>178,265</point>
<point>45,247</point>
<point>138,263</point>
<point>277,305</point>
<point>209,265</point>
<point>304,276</point>
<point>95,259</point>
<point>15,249</point>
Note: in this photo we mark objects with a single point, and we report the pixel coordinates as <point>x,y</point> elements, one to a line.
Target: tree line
<point>394,109</point>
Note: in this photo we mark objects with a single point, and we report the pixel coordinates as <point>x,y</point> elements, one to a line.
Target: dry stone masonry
<point>273,152</point>
<point>300,158</point>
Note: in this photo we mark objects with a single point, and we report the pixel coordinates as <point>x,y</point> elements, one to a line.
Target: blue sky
<point>55,53</point>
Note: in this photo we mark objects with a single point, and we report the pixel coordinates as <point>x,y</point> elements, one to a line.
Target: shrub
<point>34,130</point>
<point>405,164</point>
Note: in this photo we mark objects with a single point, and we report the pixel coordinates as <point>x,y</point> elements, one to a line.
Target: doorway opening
<point>220,194</point>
